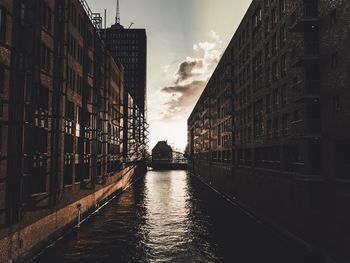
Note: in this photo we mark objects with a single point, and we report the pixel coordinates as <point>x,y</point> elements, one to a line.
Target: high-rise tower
<point>129,47</point>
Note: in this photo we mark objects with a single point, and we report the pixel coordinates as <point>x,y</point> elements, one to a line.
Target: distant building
<point>272,128</point>
<point>162,152</point>
<point>129,47</point>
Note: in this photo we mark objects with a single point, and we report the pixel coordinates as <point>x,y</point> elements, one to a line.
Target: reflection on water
<point>171,217</point>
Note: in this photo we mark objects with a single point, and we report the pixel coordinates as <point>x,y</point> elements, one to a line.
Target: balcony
<point>310,128</point>
<point>307,91</point>
<point>305,55</point>
<point>305,17</point>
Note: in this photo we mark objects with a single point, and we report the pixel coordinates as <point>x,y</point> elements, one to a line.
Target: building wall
<point>61,121</point>
<point>22,242</point>
<point>129,48</point>
<point>270,129</point>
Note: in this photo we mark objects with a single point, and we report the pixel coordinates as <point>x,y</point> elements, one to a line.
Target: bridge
<point>177,162</point>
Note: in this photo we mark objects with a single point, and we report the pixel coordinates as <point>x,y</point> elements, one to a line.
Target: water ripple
<point>170,217</point>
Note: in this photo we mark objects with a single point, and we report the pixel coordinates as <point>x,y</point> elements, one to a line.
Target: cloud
<point>190,77</point>
<point>183,98</point>
<point>215,36</point>
<point>188,68</point>
<point>166,68</point>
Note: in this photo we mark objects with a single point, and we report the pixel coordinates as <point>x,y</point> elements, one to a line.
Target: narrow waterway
<point>170,216</point>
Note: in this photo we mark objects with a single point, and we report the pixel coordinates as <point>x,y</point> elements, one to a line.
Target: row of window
<point>75,49</point>
<point>74,80</point>
<point>257,20</point>
<point>275,128</point>
<point>264,157</point>
<point>78,21</point>
<point>278,41</point>
<point>46,17</point>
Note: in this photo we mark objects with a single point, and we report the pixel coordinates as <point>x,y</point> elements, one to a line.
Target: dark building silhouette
<point>162,151</point>
<point>271,127</point>
<point>129,47</point>
<point>61,121</point>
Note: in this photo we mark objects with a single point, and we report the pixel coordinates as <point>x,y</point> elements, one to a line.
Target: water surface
<point>169,216</point>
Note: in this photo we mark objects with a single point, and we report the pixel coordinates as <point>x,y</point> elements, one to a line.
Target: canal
<point>170,216</point>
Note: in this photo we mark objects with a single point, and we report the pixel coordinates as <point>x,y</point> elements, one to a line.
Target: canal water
<point>170,216</point>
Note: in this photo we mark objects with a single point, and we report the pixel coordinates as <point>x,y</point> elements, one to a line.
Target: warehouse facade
<point>271,127</point>
<point>61,121</point>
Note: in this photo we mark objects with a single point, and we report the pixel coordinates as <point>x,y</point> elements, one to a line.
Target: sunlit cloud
<point>166,68</point>
<point>189,68</point>
<point>190,77</point>
<point>182,99</point>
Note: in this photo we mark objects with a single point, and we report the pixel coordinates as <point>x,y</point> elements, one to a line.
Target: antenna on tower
<point>117,18</point>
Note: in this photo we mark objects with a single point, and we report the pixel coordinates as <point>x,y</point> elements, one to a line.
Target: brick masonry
<point>271,129</point>
<point>21,242</point>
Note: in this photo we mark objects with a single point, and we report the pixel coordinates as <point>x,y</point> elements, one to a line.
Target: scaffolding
<point>65,140</point>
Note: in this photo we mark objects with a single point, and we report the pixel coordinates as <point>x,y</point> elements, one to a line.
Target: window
<point>266,4</point>
<point>284,95</point>
<point>257,17</point>
<point>2,24</point>
<point>283,36</point>
<point>41,120</point>
<point>267,78</point>
<point>39,135</point>
<point>285,125</point>
<point>333,18</point>
<point>68,143</point>
<point>276,127</point>
<point>68,169</point>
<point>258,119</point>
<point>69,125</point>
<point>79,85</point>
<point>1,110</point>
<point>268,103</point>
<point>267,52</point>
<point>283,65</point>
<point>22,13</point>
<point>336,103</point>
<point>297,116</point>
<point>79,115</point>
<point>267,26</point>
<point>2,79</point>
<point>38,176</point>
<point>43,98</point>
<point>282,7</point>
<point>275,99</point>
<point>275,74</point>
<point>274,44</point>
<point>46,58</point>
<point>269,129</point>
<point>274,16</point>
<point>69,110</point>
<point>334,60</point>
<point>49,20</point>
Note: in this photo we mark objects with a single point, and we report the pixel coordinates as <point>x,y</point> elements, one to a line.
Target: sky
<point>185,41</point>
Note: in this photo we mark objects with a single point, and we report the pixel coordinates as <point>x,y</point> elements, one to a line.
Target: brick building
<point>61,120</point>
<point>129,46</point>
<point>271,127</point>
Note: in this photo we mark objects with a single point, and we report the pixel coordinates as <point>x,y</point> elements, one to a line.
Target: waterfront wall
<point>293,204</point>
<point>19,242</point>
